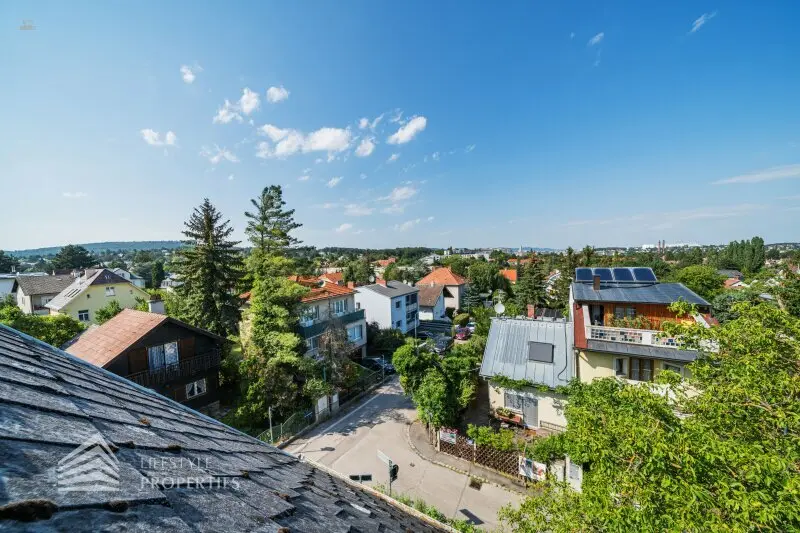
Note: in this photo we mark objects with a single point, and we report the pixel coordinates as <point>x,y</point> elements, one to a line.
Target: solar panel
<point>583,274</point>
<point>622,274</point>
<point>644,274</point>
<point>604,273</point>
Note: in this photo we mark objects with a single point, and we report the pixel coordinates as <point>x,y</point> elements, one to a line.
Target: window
<point>45,300</point>
<point>83,316</point>
<point>624,312</point>
<point>541,352</point>
<point>675,368</point>
<point>619,366</point>
<point>398,324</point>
<point>310,313</point>
<point>355,333</point>
<point>110,291</point>
<point>162,355</point>
<point>340,307</point>
<point>411,299</point>
<point>312,343</point>
<point>513,401</point>
<point>358,306</point>
<point>397,304</point>
<point>196,388</point>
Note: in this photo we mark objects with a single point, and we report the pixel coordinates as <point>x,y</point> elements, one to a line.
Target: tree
<point>71,256</point>
<point>483,276</point>
<point>359,271</point>
<point>563,282</point>
<point>55,330</point>
<point>109,311</point>
<point>530,287</point>
<point>335,348</point>
<point>117,263</point>
<point>773,254</point>
<point>701,279</point>
<point>157,274</point>
<point>209,267</point>
<point>383,340</point>
<point>472,298</point>
<point>587,255</point>
<point>788,293</point>
<point>269,227</point>
<point>732,465</point>
<point>8,262</point>
<point>722,306</point>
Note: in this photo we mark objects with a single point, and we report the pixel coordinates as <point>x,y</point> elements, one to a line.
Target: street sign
<point>385,458</point>
<point>361,477</point>
<point>393,468</point>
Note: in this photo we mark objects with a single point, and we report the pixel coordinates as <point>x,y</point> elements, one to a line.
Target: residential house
<point>550,282</point>
<point>8,286</point>
<point>130,276</point>
<point>454,286</point>
<point>393,305</point>
<point>155,464</point>
<point>380,265</point>
<point>536,351</point>
<point>510,274</point>
<point>159,352</point>
<point>431,302</point>
<point>730,273</point>
<point>35,292</point>
<point>336,278</point>
<point>170,283</point>
<point>618,314</point>
<point>330,305</point>
<point>91,291</point>
<point>735,283</point>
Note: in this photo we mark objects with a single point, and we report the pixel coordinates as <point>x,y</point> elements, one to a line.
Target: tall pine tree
<point>209,267</point>
<point>530,288</point>
<point>562,284</point>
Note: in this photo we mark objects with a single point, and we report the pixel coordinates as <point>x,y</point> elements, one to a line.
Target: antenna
<point>499,308</point>
<point>371,278</point>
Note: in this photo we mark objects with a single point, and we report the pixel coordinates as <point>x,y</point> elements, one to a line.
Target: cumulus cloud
<point>227,113</point>
<point>153,138</point>
<point>249,101</point>
<point>701,21</point>
<point>344,227</point>
<point>358,210</point>
<point>188,74</point>
<point>393,158</point>
<point>74,195</point>
<point>405,226</point>
<point>363,123</point>
<point>394,209</point>
<point>304,177</point>
<point>333,182</point>
<point>400,194</point>
<point>277,94</point>
<point>286,142</point>
<point>407,132</point>
<point>365,148</point>
<point>230,177</point>
<point>597,39</point>
<point>217,155</point>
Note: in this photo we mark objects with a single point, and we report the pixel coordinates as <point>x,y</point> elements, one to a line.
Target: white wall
<point>433,313</point>
<point>376,307</point>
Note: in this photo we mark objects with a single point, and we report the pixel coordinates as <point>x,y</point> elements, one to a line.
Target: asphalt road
<point>351,443</point>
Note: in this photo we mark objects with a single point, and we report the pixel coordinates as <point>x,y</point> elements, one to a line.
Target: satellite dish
<point>499,308</point>
<point>371,278</point>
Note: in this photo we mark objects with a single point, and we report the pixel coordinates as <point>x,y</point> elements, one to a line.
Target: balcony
<point>312,329</point>
<point>182,369</point>
<point>644,337</point>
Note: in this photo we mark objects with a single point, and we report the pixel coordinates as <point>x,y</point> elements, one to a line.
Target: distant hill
<point>97,247</point>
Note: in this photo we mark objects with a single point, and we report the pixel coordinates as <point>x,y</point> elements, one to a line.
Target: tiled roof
<point>442,276</point>
<point>32,285</point>
<point>101,276</point>
<point>429,295</point>
<point>328,290</point>
<point>333,277</point>
<point>102,344</point>
<point>730,282</point>
<point>168,467</point>
<point>386,262</point>
<point>308,281</point>
<point>510,274</point>
<point>391,289</point>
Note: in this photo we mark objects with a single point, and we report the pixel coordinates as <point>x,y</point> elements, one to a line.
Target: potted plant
<point>508,415</point>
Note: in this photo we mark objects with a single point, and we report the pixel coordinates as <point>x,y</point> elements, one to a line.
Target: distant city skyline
<point>406,124</point>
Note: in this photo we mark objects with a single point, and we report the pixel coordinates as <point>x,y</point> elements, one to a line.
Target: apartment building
<point>393,305</point>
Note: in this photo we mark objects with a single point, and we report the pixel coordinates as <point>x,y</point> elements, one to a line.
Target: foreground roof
<point>32,285</point>
<point>167,467</point>
<point>658,293</point>
<point>391,289</point>
<point>442,276</point>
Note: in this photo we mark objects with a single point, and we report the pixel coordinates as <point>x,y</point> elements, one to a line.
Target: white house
<point>393,305</point>
<point>35,292</point>
<point>8,285</point>
<point>454,286</point>
<point>138,281</point>
<point>431,302</point>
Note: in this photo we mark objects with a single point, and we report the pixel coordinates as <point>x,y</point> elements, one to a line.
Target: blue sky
<point>526,123</point>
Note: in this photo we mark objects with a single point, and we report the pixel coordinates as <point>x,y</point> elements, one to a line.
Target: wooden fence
<point>506,462</point>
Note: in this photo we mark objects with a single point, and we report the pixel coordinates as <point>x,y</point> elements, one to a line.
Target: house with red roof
<point>329,305</point>
<point>510,274</point>
<point>454,285</point>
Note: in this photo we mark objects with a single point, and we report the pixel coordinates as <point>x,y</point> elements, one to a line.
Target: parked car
<point>374,363</point>
<point>442,343</point>
<point>463,334</point>
<point>471,327</point>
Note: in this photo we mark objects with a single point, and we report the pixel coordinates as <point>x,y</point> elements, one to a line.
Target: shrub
<point>461,320</point>
<point>502,440</point>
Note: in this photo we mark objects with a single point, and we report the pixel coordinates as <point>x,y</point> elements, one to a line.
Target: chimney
<point>596,283</point>
<point>351,285</point>
<point>156,305</point>
<point>381,281</point>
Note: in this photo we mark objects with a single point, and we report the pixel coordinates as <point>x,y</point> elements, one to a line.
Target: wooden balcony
<point>185,368</point>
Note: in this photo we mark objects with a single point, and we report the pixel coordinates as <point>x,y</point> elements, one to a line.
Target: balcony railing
<point>182,369</point>
<point>646,337</point>
<point>308,330</point>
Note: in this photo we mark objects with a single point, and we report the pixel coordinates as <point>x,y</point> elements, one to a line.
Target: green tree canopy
<point>530,287</point>
<point>483,276</point>
<point>157,274</point>
<point>54,330</point>
<point>8,262</point>
<point>702,279</point>
<point>109,311</point>
<point>71,256</point>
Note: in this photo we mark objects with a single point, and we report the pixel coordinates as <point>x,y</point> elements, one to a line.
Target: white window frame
<point>83,315</point>
<point>313,343</point>
<point>110,291</point>
<point>196,388</point>
<point>519,397</point>
<point>355,333</point>
<point>340,307</point>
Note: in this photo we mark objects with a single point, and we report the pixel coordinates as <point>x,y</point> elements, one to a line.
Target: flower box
<point>511,418</point>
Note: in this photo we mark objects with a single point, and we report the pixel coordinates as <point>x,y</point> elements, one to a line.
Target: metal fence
<point>290,427</point>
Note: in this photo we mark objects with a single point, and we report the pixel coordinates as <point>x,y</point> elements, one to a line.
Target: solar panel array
<point>616,275</point>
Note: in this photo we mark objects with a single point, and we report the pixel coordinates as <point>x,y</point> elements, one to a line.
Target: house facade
<point>35,292</point>
<point>171,357</point>
<point>618,316</point>
<point>133,278</point>
<point>454,286</point>
<point>331,305</point>
<point>91,291</point>
<point>393,305</point>
<point>431,302</point>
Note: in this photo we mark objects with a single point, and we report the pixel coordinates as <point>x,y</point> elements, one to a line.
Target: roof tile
<point>442,276</point>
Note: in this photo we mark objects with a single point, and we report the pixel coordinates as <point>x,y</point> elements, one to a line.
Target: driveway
<point>350,446</point>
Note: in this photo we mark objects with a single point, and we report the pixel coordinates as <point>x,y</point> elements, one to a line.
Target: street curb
<point>457,470</point>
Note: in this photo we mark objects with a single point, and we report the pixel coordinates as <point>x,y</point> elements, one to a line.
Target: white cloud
<point>289,141</point>
<point>394,209</point>
<point>407,132</point>
<point>701,21</point>
<point>304,177</point>
<point>398,116</point>
<point>333,182</point>
<point>405,226</point>
<point>358,210</point>
<point>153,138</point>
<point>769,174</point>
<point>430,219</point>
<point>74,195</point>
<point>273,132</point>
<point>399,194</point>
<point>393,158</point>
<point>227,113</point>
<point>597,39</point>
<point>365,148</point>
<point>190,73</point>
<point>230,177</point>
<point>363,123</point>
<point>277,94</point>
<point>674,218</point>
<point>435,156</point>
<point>363,176</point>
<point>329,205</point>
<point>217,155</point>
<point>327,140</point>
<point>249,101</point>
<point>469,148</point>
<point>344,227</point>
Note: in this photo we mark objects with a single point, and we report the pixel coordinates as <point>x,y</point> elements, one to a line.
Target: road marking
<point>344,418</point>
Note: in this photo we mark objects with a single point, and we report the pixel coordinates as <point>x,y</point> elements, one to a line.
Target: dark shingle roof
<point>658,293</point>
<point>178,470</point>
<point>392,289</point>
<point>429,294</point>
<point>32,285</point>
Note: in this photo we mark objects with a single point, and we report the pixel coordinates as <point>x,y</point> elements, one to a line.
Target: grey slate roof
<point>392,289</point>
<point>52,402</point>
<point>642,350</point>
<point>658,293</point>
<point>506,352</point>
<point>33,285</point>
<point>429,295</point>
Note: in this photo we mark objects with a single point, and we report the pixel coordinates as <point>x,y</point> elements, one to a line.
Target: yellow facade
<point>594,365</point>
<point>550,405</point>
<point>96,297</point>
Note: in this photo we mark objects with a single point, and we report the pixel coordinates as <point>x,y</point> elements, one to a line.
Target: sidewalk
<point>418,440</point>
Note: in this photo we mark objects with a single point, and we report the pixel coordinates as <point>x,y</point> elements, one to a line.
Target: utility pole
<point>271,438</point>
